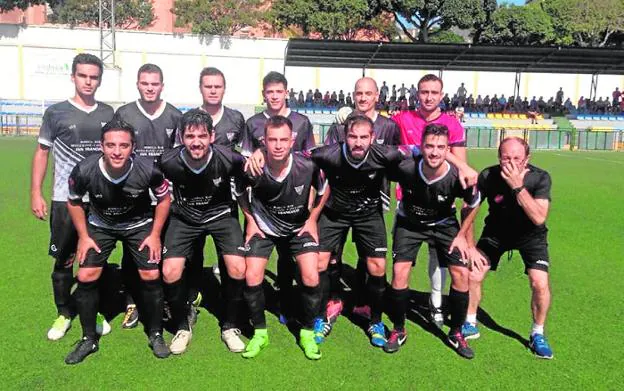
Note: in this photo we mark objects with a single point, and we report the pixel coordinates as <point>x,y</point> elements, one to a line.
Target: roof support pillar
<point>594,87</point>
<point>517,84</point>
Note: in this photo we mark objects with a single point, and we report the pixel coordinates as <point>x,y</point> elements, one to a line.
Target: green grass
<point>585,324</point>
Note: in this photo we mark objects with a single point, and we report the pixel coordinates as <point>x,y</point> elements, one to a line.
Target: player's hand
<point>253,230</point>
<point>255,163</point>
<point>310,227</point>
<point>39,207</point>
<point>460,244</point>
<point>152,242</point>
<point>84,245</point>
<point>477,259</point>
<point>513,174</point>
<point>467,176</point>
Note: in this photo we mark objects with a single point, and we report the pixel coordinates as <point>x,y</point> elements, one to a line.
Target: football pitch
<point>585,325</point>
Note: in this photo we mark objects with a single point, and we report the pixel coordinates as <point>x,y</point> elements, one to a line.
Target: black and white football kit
<point>253,137</point>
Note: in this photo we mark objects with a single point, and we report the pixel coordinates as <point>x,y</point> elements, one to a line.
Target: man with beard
<point>201,173</point>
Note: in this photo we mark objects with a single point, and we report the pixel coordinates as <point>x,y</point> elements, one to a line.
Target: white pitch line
<point>590,158</point>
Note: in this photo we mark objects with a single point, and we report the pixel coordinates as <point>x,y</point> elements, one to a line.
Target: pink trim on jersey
<point>412,125</point>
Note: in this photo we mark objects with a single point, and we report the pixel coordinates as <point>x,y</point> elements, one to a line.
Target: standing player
<point>119,189</point>
<point>275,91</point>
<point>201,172</point>
<point>154,121</point>
<point>412,125</point>
<point>427,214</point>
<point>72,129</point>
<point>276,210</point>
<point>518,195</point>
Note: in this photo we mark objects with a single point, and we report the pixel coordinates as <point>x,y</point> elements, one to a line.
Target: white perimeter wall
<point>36,64</point>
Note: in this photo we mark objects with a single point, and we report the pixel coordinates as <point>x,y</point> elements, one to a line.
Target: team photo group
<point>159,182</point>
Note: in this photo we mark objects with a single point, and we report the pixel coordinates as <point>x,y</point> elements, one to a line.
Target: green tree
<point>420,20</point>
<point>585,23</point>
<point>218,17</point>
<point>524,25</point>
<point>128,13</point>
<point>7,5</point>
<point>339,19</point>
<point>447,36</point>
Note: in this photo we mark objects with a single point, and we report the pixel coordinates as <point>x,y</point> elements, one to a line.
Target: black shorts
<point>63,235</point>
<point>180,236</point>
<point>106,239</point>
<point>533,249</point>
<point>408,237</point>
<point>369,233</point>
<point>294,245</point>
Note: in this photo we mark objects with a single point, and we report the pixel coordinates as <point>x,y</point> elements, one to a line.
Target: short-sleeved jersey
<point>387,132</point>
<point>505,216</point>
<point>280,205</point>
<point>118,203</point>
<point>154,133</point>
<point>430,201</point>
<point>355,186</point>
<point>229,128</point>
<point>73,133</point>
<point>412,125</point>
<point>202,194</point>
<point>253,137</point>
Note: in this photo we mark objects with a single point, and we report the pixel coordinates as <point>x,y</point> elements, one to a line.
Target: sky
<point>516,2</point>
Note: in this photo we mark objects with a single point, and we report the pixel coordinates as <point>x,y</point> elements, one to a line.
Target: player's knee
<point>149,275</point>
<point>322,265</point>
<point>461,277</point>
<point>477,276</point>
<point>310,278</point>
<point>89,274</point>
<point>171,272</point>
<point>376,266</point>
<point>540,286</point>
<point>236,268</point>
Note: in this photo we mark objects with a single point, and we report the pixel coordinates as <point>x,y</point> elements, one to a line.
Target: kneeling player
<point>120,210</point>
<point>201,172</point>
<point>430,185</point>
<point>275,205</point>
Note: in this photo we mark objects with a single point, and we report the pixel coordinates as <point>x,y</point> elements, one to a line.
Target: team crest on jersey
<point>102,123</point>
<point>294,134</point>
<point>299,189</point>
<point>230,135</point>
<point>217,181</point>
<point>372,175</point>
<point>169,131</point>
<point>441,198</point>
<point>380,140</point>
<point>498,199</point>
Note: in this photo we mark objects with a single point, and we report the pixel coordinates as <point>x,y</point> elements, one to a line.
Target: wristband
<point>517,190</point>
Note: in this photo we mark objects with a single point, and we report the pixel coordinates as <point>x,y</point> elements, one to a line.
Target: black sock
<point>130,276</point>
<point>361,273</point>
<point>62,281</point>
<point>285,276</point>
<point>458,306</point>
<point>398,300</point>
<point>254,296</point>
<point>324,293</point>
<point>375,288</point>
<point>152,300</point>
<point>194,271</point>
<point>87,302</point>
<point>310,302</point>
<point>233,301</point>
<point>177,297</point>
<point>333,273</point>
